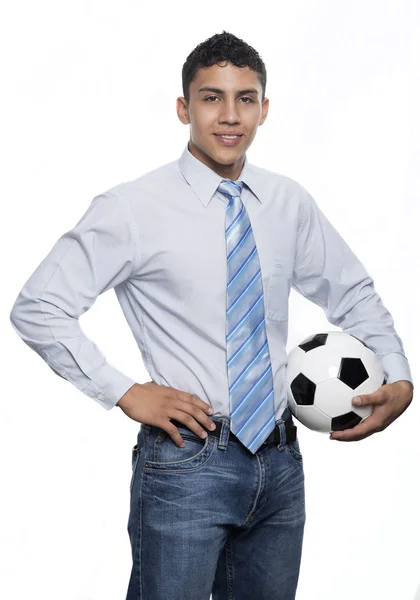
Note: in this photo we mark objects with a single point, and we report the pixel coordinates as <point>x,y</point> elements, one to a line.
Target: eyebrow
<point>219,91</point>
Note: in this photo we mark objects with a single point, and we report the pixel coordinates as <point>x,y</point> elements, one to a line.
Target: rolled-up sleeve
<point>98,254</point>
<point>328,273</point>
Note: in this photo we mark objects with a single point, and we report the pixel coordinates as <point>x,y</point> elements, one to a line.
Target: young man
<point>202,253</point>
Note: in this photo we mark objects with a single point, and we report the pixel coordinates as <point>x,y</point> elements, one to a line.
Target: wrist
<point>405,387</point>
<point>127,399</point>
<point>406,383</point>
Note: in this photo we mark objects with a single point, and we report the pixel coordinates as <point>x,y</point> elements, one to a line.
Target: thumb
<point>365,399</point>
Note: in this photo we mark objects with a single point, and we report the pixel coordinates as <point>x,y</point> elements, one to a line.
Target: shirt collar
<point>204,181</point>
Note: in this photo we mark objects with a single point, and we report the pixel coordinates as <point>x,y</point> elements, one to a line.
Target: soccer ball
<point>324,373</point>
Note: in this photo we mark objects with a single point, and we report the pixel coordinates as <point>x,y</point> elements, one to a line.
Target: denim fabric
<point>213,519</point>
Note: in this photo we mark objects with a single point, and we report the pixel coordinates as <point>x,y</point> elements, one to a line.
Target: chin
<point>227,155</point>
<point>221,155</point>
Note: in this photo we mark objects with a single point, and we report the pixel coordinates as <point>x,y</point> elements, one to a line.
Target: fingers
<point>378,397</point>
<point>364,429</point>
<point>191,412</point>
<point>173,432</point>
<point>192,405</point>
<point>188,421</point>
<point>370,425</point>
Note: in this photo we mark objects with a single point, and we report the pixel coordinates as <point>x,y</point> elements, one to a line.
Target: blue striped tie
<point>248,361</point>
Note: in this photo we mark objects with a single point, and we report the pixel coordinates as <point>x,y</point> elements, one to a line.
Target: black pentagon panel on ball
<point>303,390</point>
<point>319,339</point>
<point>352,372</point>
<point>346,421</point>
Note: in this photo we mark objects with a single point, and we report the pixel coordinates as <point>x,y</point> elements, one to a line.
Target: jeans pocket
<point>293,450</point>
<point>163,453</point>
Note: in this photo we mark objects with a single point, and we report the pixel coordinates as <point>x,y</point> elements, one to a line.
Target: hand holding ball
<point>323,375</point>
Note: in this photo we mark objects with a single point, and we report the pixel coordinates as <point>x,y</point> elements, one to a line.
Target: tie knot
<point>230,188</point>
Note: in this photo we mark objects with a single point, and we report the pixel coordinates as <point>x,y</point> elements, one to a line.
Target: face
<point>229,109</point>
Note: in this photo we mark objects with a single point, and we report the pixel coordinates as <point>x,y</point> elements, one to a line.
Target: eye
<point>243,97</point>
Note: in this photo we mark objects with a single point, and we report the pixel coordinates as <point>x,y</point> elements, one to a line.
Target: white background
<point>88,101</point>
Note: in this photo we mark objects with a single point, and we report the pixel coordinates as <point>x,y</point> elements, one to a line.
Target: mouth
<point>228,140</point>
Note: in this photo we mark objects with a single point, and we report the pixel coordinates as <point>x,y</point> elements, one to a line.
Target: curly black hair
<point>219,48</point>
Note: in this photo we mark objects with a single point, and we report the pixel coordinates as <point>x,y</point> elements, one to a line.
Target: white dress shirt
<point>159,242</point>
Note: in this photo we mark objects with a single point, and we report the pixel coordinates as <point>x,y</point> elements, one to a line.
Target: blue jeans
<point>212,518</point>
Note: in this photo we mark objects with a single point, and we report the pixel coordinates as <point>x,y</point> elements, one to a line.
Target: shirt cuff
<point>396,368</point>
<point>108,385</point>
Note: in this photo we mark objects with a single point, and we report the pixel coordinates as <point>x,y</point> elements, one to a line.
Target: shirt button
<point>100,396</point>
<point>63,373</point>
